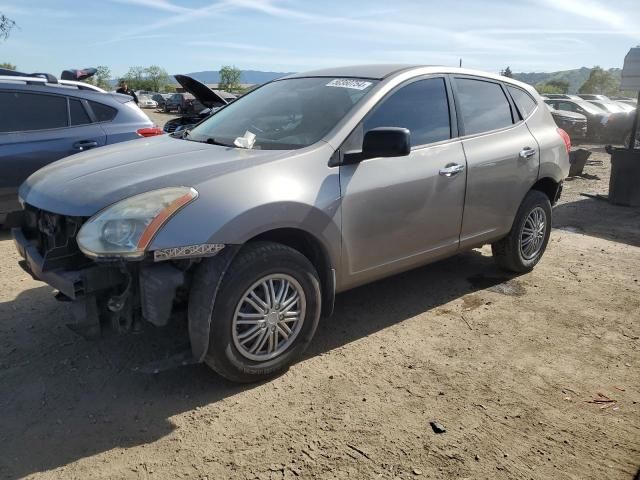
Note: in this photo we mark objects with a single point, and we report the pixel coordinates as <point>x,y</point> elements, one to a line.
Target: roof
<point>375,72</point>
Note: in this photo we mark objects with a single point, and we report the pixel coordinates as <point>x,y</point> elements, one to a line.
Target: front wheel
<point>265,314</point>
<point>525,244</point>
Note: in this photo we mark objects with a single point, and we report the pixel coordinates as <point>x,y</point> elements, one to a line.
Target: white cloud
<point>592,10</point>
<point>230,45</point>
<point>156,4</point>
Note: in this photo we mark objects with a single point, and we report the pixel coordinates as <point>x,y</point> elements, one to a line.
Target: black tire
<point>254,262</point>
<point>507,252</point>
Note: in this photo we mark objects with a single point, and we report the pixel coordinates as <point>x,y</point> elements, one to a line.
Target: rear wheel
<point>525,244</point>
<point>265,313</point>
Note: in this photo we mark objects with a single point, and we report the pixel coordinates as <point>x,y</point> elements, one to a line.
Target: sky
<point>294,35</point>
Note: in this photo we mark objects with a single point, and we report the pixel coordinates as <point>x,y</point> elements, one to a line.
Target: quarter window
<point>79,115</point>
<point>526,105</point>
<point>422,107</point>
<point>103,113</point>
<point>23,112</point>
<point>483,105</point>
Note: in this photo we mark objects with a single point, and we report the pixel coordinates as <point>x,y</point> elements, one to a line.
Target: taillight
<point>150,131</point>
<point>566,138</point>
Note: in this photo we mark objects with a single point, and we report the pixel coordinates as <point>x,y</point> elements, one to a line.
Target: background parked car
<point>44,120</point>
<point>559,95</point>
<point>145,101</point>
<point>597,119</point>
<point>575,124</point>
<point>183,103</point>
<point>620,119</point>
<point>633,102</point>
<point>211,99</point>
<point>160,99</point>
<point>591,96</point>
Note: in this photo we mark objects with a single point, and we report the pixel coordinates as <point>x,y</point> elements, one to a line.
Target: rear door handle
<point>451,169</point>
<point>526,152</point>
<point>85,144</point>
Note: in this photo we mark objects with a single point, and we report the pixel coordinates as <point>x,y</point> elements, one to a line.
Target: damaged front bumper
<point>113,294</point>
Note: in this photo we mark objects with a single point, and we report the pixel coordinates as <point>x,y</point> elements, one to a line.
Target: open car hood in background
<point>203,94</point>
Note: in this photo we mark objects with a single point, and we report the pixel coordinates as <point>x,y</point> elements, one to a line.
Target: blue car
<point>43,119</point>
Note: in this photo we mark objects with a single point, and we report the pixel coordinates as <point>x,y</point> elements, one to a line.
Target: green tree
<point>156,77</point>
<point>8,66</point>
<point>600,82</point>
<point>101,77</point>
<point>544,88</point>
<point>6,25</point>
<point>229,78</point>
<point>169,88</point>
<point>507,72</point>
<point>151,78</point>
<point>135,79</point>
<point>562,86</point>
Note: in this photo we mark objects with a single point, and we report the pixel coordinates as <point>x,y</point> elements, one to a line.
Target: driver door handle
<point>85,144</point>
<point>451,169</point>
<point>526,152</point>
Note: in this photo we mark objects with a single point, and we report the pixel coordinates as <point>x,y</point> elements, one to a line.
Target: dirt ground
<point>508,365</point>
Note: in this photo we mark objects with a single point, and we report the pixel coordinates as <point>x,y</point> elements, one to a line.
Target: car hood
<point>85,183</point>
<point>203,94</point>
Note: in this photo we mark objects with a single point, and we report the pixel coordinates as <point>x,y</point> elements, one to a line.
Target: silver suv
<point>306,187</point>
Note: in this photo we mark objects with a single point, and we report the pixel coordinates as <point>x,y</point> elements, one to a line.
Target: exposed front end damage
<point>115,295</point>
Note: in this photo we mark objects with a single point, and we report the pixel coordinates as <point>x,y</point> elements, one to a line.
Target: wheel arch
<point>550,187</point>
<point>313,249</point>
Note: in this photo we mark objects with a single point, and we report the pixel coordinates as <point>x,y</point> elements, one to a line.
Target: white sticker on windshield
<point>348,83</point>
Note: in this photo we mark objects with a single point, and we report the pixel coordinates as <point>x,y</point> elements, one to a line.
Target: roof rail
<point>12,73</point>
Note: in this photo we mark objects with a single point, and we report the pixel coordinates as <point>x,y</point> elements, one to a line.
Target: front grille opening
<point>55,238</point>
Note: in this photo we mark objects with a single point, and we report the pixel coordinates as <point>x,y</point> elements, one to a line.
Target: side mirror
<point>382,142</point>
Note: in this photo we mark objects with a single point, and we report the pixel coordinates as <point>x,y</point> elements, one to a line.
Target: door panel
<point>23,153</point>
<point>498,179</point>
<point>400,212</point>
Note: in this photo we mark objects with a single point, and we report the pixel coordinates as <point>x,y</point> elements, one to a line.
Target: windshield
<point>284,115</point>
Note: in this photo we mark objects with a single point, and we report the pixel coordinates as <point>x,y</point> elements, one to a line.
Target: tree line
<point>600,81</point>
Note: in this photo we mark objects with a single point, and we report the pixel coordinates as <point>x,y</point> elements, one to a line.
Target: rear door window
<point>22,112</point>
<point>102,112</point>
<point>421,106</point>
<point>79,115</point>
<point>525,104</point>
<point>570,106</point>
<point>483,105</point>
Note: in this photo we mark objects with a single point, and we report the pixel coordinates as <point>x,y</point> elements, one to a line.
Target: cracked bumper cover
<point>73,284</point>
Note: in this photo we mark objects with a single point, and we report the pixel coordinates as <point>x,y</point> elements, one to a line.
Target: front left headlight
<point>126,228</point>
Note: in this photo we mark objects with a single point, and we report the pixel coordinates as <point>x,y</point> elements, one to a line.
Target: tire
<point>513,253</point>
<point>255,263</point>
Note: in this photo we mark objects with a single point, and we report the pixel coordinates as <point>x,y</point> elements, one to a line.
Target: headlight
<point>126,228</point>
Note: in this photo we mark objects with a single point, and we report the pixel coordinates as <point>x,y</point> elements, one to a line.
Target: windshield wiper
<point>212,141</point>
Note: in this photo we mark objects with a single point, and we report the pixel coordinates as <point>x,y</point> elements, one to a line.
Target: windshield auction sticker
<point>348,83</point>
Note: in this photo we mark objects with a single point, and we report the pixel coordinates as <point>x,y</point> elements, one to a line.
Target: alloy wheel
<point>268,317</point>
<point>533,233</point>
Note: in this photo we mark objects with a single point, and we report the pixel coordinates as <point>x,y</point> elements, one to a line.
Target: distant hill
<point>575,77</point>
<point>247,76</point>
